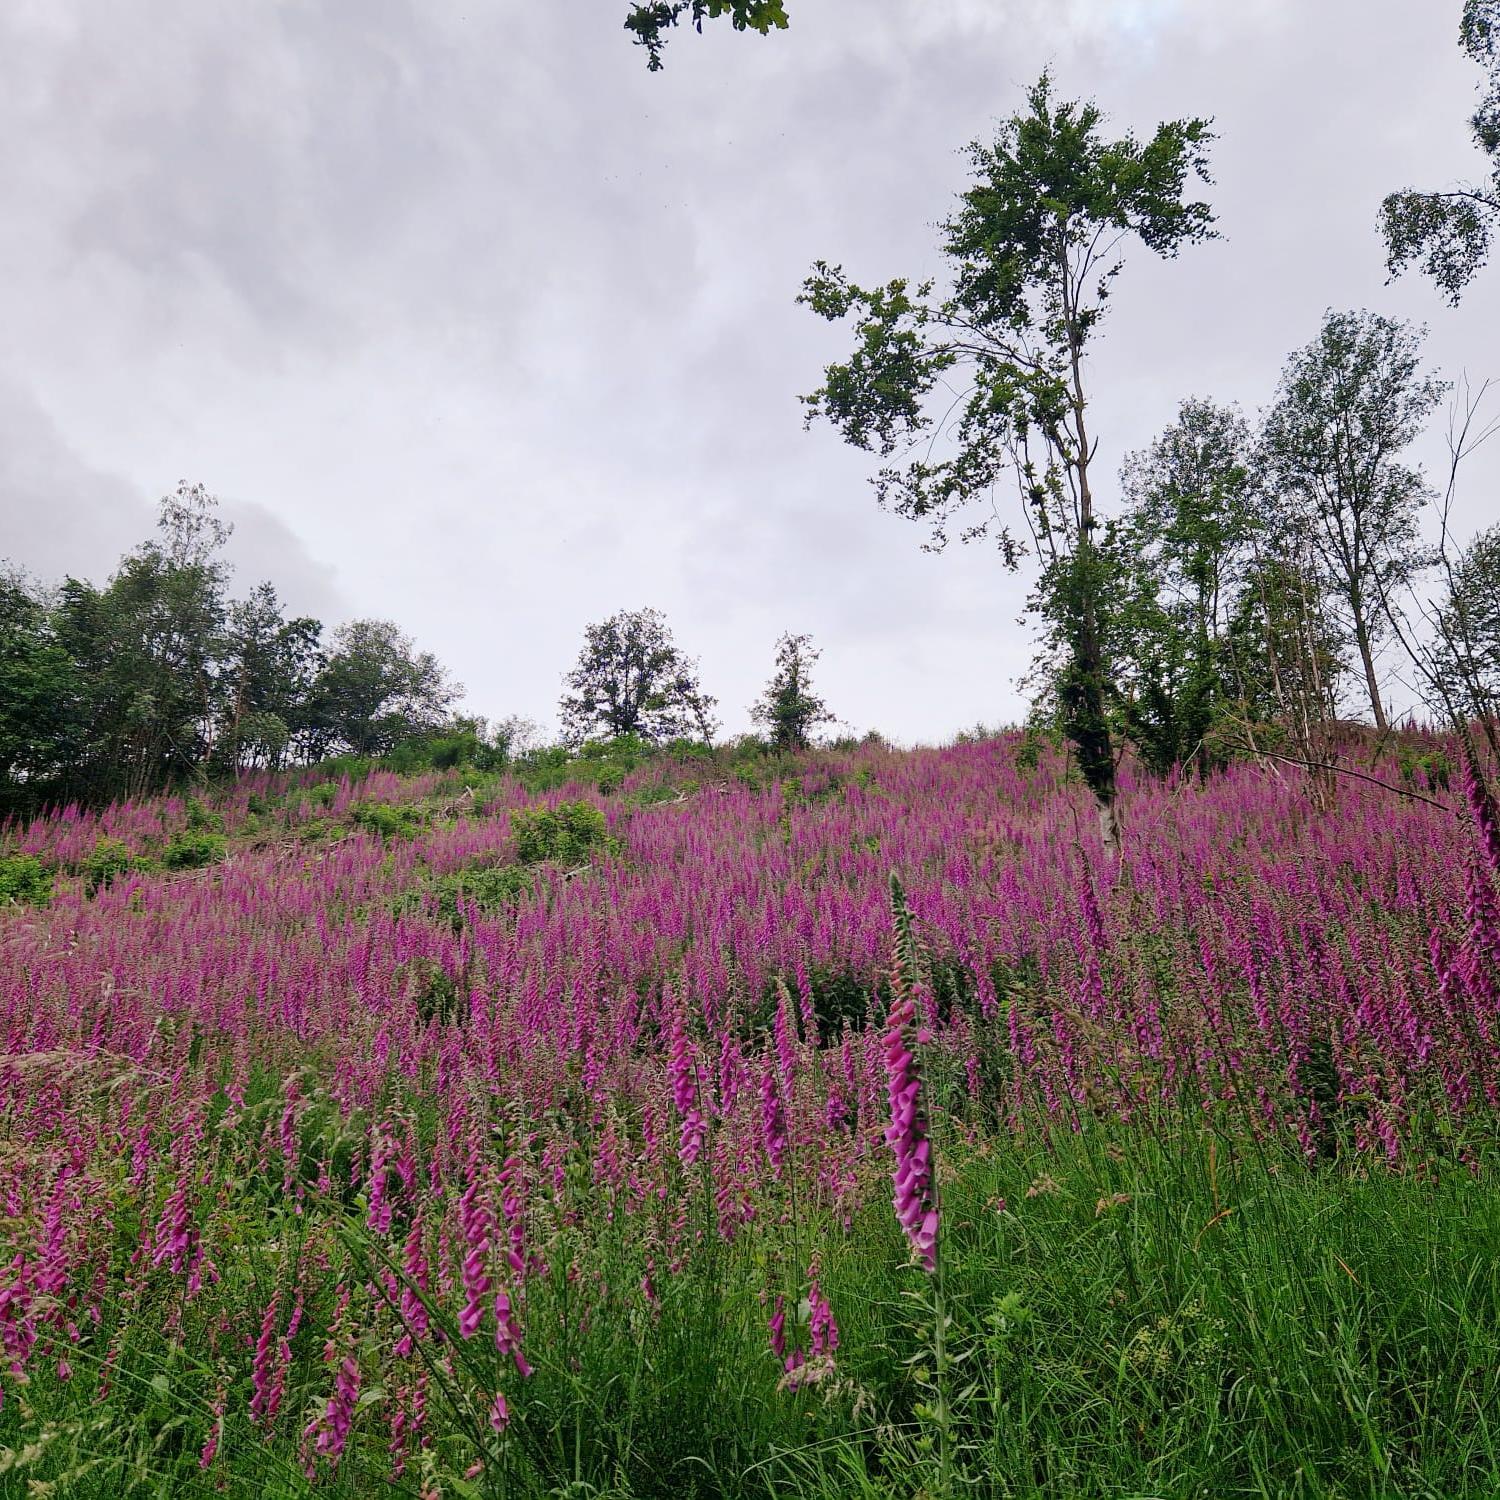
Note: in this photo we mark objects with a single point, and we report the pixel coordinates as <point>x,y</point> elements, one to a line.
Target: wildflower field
<point>643,1136</point>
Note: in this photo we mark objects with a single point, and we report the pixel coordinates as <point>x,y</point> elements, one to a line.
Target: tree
<point>788,707</point>
<point>149,646</point>
<point>1034,251</point>
<point>1469,628</point>
<point>1448,233</point>
<point>374,690</point>
<point>651,20</point>
<point>270,669</point>
<point>1346,406</point>
<point>1181,545</point>
<point>42,703</point>
<point>632,679</point>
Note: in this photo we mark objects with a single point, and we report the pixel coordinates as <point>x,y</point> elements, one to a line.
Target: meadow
<point>639,1135</point>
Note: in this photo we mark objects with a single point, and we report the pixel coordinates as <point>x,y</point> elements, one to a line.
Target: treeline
<point>1245,586</point>
<point>1259,583</point>
<point>160,677</point>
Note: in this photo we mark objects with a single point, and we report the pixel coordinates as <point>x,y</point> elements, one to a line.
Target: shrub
<point>110,858</point>
<point>491,889</point>
<point>389,822</point>
<point>193,851</point>
<point>24,882</point>
<point>628,750</point>
<point>545,770</point>
<point>201,820</point>
<point>567,832</point>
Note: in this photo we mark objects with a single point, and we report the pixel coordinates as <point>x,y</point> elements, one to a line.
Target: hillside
<point>426,1117</point>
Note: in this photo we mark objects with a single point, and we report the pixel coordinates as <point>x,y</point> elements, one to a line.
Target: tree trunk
<point>1362,637</point>
<point>1083,696</point>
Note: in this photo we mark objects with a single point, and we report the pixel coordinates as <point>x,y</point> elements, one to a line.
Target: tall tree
<point>374,690</point>
<point>1468,620</point>
<point>1448,233</point>
<point>631,678</point>
<point>1347,405</point>
<point>1182,542</point>
<point>150,646</point>
<point>271,664</point>
<point>43,720</point>
<point>1033,253</point>
<point>789,708</point>
<point>651,20</point>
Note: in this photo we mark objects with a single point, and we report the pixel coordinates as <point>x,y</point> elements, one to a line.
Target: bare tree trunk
<point>1367,660</point>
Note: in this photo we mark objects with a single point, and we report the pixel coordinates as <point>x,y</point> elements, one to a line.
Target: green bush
<point>24,881</point>
<point>491,889</point>
<point>566,833</point>
<point>389,822</point>
<point>201,820</point>
<point>192,851</point>
<point>545,770</point>
<point>110,858</point>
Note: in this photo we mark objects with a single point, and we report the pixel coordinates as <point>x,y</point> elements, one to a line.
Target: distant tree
<point>515,734</point>
<point>271,664</point>
<point>1033,251</point>
<point>1347,405</point>
<point>1469,627</point>
<point>43,723</point>
<point>651,20</point>
<point>631,678</point>
<point>1286,654</point>
<point>374,690</point>
<point>789,708</point>
<point>1182,543</point>
<point>149,646</point>
<point>1448,233</point>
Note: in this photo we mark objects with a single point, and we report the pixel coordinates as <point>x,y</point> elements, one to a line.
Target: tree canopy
<point>1348,404</point>
<point>986,379</point>
<point>789,709</point>
<point>652,20</point>
<point>631,678</point>
<point>1447,232</point>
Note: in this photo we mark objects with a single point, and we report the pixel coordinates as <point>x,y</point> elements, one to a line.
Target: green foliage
<point>1448,234</point>
<point>633,681</point>
<point>789,708</point>
<point>201,819</point>
<point>1428,767</point>
<point>1468,621</point>
<point>109,859</point>
<point>1033,253</point>
<point>24,881</point>
<point>387,821</point>
<point>1346,406</point>
<point>42,700</point>
<point>650,20</point>
<point>567,833</point>
<point>488,888</point>
<point>193,851</point>
<point>1180,549</point>
<point>375,690</point>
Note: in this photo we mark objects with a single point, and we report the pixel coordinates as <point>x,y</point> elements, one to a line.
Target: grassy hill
<point>531,1132</point>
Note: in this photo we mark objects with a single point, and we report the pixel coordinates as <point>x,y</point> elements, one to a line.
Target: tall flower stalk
<point>909,1137</point>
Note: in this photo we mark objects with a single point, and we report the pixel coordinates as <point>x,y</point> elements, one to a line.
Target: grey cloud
<point>461,303</point>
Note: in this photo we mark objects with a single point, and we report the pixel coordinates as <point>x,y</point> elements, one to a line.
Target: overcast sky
<point>473,323</point>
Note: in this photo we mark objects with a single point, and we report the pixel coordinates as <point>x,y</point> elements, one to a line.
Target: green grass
<point>1132,1314</point>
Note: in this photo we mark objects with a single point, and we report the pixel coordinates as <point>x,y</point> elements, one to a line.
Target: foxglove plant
<point>915,1198</point>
